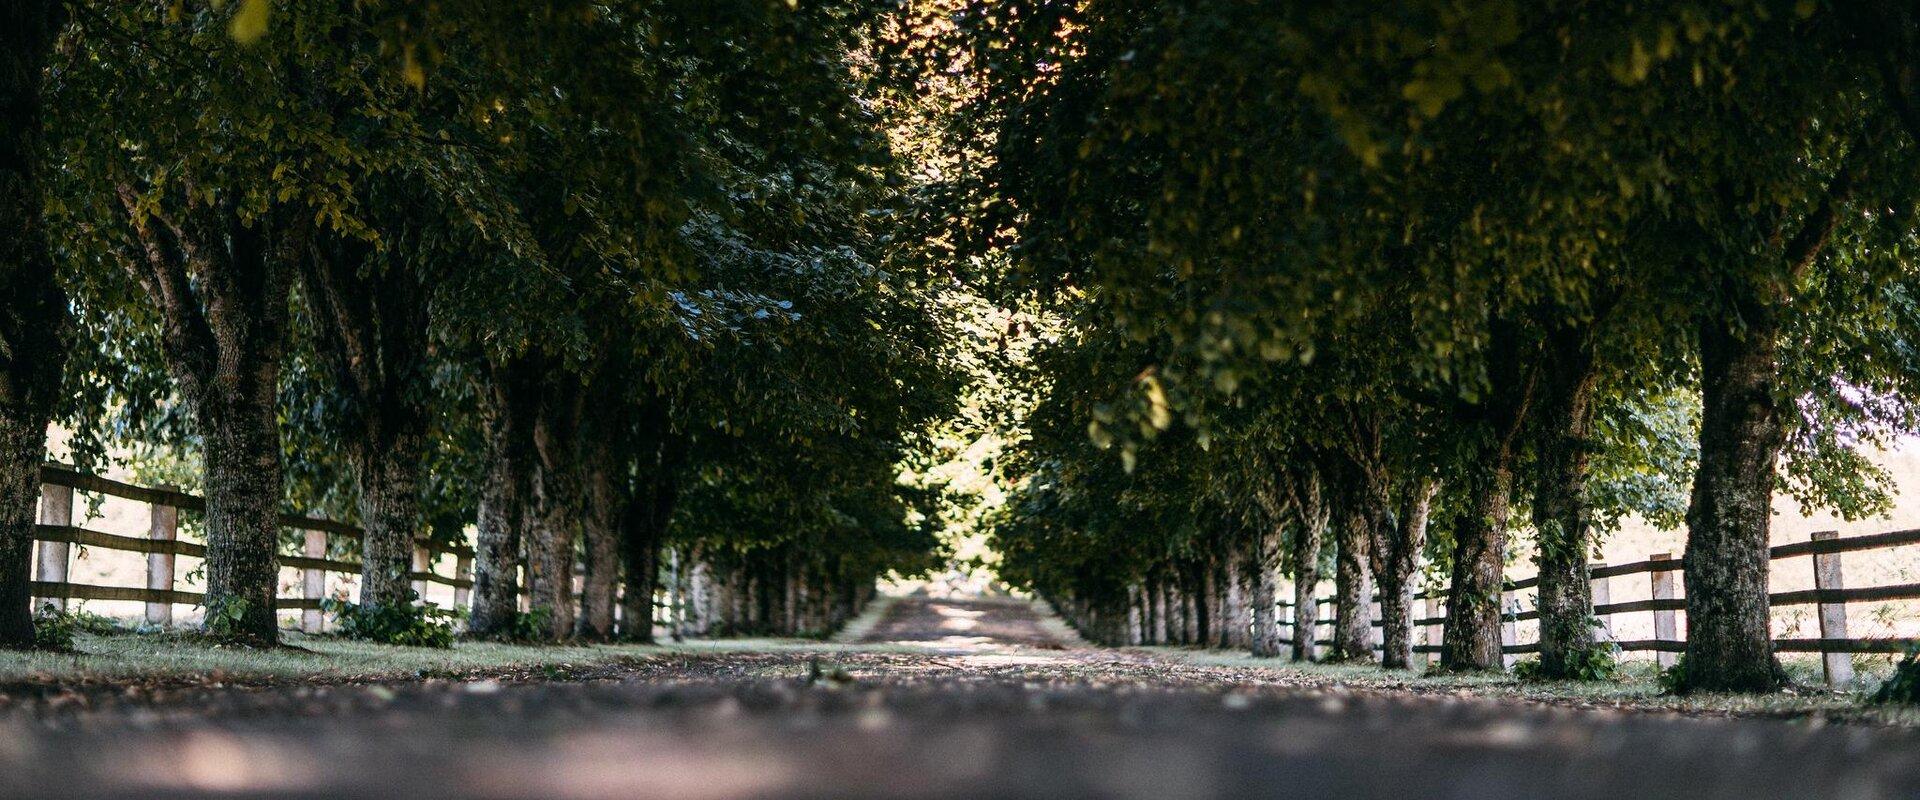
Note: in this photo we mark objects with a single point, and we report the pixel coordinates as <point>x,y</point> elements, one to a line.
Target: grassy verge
<point>1637,689</point>
<point>185,659</point>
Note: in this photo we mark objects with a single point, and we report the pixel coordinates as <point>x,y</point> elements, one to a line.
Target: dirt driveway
<point>955,699</point>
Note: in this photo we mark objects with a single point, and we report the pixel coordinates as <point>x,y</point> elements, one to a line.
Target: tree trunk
<point>601,581</point>
<point>1162,630</point>
<point>1398,541</point>
<point>1729,644</point>
<point>508,404</point>
<point>640,549</point>
<point>240,440</point>
<point>390,479</point>
<point>557,502</point>
<point>1205,613</point>
<point>1561,515</point>
<point>230,366</point>
<point>1472,638</point>
<point>372,318</point>
<point>223,284</point>
<point>22,443</point>
<point>550,541</point>
<point>1263,573</point>
<point>33,309</point>
<point>1306,581</point>
<point>1353,589</point>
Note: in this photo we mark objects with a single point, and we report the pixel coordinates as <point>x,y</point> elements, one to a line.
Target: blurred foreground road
<point>948,699</point>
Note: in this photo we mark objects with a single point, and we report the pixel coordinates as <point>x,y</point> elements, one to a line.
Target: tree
<point>33,314</point>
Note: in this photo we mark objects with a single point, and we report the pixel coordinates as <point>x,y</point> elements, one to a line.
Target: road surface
<point>948,699</point>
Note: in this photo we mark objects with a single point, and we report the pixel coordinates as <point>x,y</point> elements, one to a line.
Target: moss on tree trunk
<point>1729,644</point>
<point>1561,514</point>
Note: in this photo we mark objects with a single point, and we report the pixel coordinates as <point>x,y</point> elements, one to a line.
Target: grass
<point>173,657</point>
<point>182,658</point>
<point>1637,689</point>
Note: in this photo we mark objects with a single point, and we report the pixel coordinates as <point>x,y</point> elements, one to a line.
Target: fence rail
<point>1830,596</point>
<point>56,535</point>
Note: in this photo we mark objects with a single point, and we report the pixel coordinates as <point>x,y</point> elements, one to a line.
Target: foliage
<point>1590,664</point>
<point>410,625</point>
<point>1673,680</point>
<point>223,618</point>
<point>54,629</point>
<point>528,626</point>
<point>1903,686</point>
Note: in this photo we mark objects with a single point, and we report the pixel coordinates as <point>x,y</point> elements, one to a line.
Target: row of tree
<point>1361,288</point>
<point>590,278</point>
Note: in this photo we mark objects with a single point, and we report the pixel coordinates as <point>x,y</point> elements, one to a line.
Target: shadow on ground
<point>967,699</point>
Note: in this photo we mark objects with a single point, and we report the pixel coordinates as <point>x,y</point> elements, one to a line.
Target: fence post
<point>1664,621</point>
<point>462,570</point>
<point>422,562</point>
<point>1602,595</point>
<point>1436,632</point>
<point>314,582</point>
<point>163,525</point>
<point>1833,616</point>
<point>56,508</point>
<point>1509,628</point>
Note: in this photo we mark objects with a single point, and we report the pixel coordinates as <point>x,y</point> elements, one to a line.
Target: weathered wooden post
<point>314,582</point>
<point>1665,628</point>
<point>163,528</point>
<point>1602,595</point>
<point>56,508</point>
<point>463,571</point>
<point>422,563</point>
<point>1833,615</point>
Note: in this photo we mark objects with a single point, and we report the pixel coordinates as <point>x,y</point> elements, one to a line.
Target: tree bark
<point>1472,638</point>
<point>1561,515</point>
<point>224,284</point>
<point>1236,617</point>
<point>1353,587</point>
<point>241,445</point>
<point>641,537</point>
<point>22,443</point>
<point>1263,573</point>
<point>390,479</point>
<point>33,309</point>
<point>556,503</point>
<point>1729,643</point>
<point>508,405</point>
<point>659,456</point>
<point>600,522</point>
<point>1307,496</point>
<point>1306,583</point>
<point>1398,540</point>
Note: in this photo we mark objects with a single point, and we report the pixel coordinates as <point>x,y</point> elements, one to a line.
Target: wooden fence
<point>1830,597</point>
<point>56,536</point>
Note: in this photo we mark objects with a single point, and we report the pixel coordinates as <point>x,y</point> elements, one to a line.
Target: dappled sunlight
<point>969,628</point>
